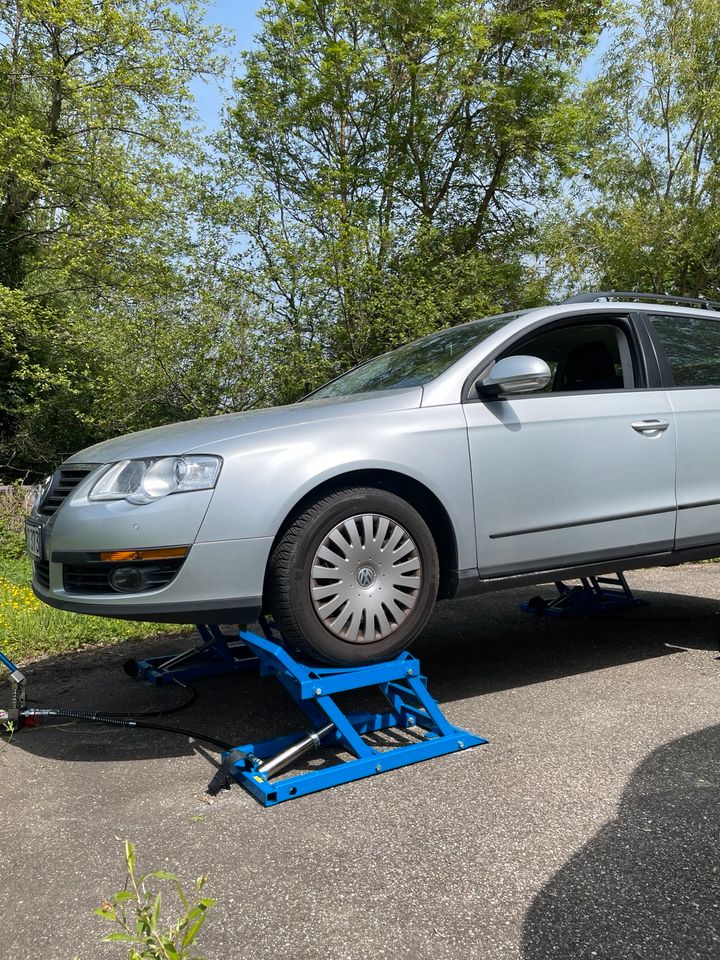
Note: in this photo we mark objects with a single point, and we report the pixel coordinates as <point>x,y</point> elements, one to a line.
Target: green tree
<point>97,204</point>
<point>645,212</point>
<point>388,161</point>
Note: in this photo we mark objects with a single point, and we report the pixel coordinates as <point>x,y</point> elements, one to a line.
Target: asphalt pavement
<point>588,827</point>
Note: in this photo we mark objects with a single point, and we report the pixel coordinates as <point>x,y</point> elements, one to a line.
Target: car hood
<point>190,435</point>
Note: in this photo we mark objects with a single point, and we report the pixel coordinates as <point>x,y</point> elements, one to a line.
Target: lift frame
<point>594,595</point>
<point>313,687</point>
<point>215,655</point>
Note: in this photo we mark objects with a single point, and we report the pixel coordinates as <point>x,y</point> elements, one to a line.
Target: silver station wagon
<point>561,441</point>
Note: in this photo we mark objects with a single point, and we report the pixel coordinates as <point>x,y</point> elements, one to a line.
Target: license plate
<point>33,540</point>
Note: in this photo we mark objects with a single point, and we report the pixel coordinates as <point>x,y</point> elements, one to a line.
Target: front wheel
<point>355,577</point>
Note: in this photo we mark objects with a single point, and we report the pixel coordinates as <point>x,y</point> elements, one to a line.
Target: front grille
<point>95,577</point>
<point>41,572</point>
<point>62,485</point>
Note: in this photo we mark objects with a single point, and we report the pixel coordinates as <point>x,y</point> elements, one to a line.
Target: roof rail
<point>595,295</point>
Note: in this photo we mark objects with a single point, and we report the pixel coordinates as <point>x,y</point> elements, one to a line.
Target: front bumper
<point>219,582</point>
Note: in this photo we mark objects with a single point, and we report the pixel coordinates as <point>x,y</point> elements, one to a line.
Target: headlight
<point>43,489</point>
<point>142,481</point>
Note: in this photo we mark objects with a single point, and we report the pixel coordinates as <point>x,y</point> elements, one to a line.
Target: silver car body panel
<point>274,471</point>
<point>192,435</point>
<point>271,459</point>
<point>530,484</point>
<point>602,485</point>
<point>697,419</point>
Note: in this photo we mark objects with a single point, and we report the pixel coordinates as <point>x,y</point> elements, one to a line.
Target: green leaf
<point>161,875</point>
<point>193,931</point>
<point>106,914</point>
<point>181,894</point>
<point>119,937</point>
<point>172,952</point>
<point>155,914</point>
<point>122,895</point>
<point>130,856</point>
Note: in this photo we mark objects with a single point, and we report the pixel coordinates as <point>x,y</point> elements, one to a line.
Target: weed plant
<point>138,914</point>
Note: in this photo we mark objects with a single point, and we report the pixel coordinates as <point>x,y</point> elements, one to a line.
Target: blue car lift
<point>594,595</point>
<point>214,656</point>
<point>314,686</point>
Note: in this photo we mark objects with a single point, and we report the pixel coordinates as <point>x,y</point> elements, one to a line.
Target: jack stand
<point>590,598</point>
<point>17,698</point>
<point>214,656</point>
<point>313,688</point>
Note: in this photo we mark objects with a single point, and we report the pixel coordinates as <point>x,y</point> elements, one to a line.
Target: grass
<point>30,629</point>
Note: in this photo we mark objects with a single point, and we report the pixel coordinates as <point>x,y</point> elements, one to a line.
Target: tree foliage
<point>645,215</point>
<point>97,184</point>
<point>383,168</point>
<point>389,160</point>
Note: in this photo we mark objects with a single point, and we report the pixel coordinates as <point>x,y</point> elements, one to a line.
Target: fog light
<point>127,579</point>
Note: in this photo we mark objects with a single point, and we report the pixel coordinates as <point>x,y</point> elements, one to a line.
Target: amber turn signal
<point>162,553</point>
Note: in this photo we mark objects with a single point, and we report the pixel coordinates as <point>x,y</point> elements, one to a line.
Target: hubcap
<point>365,578</point>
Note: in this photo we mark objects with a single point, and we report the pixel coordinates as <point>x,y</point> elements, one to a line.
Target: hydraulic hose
<point>88,717</point>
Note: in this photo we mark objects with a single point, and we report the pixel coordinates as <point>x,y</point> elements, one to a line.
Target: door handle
<point>650,428</point>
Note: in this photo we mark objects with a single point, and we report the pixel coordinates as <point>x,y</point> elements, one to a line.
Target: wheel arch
<point>409,489</point>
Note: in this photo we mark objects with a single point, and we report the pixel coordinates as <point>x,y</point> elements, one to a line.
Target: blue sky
<point>240,18</point>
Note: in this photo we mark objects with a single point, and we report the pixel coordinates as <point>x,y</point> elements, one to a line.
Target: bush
<point>15,504</point>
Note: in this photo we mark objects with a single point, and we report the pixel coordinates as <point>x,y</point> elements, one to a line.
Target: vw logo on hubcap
<point>366,576</point>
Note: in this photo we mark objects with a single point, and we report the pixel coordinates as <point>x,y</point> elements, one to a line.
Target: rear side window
<point>692,348</point>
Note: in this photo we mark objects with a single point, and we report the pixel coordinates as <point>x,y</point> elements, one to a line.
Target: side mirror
<point>515,375</point>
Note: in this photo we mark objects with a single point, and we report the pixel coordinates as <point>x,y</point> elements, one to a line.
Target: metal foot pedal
<point>594,595</point>
<point>214,656</point>
<point>313,688</point>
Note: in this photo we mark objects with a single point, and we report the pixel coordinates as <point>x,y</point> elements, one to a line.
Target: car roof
<point>615,306</point>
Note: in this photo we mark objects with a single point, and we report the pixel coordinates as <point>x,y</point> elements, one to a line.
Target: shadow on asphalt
<point>470,648</point>
<point>484,645</point>
<point>648,884</point>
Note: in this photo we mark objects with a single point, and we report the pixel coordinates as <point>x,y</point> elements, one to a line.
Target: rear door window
<point>692,348</point>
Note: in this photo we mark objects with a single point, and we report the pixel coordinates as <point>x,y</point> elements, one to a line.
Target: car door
<point>582,471</point>
<point>689,351</point>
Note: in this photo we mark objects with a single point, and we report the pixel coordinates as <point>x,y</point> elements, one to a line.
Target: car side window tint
<point>582,357</point>
<point>692,348</point>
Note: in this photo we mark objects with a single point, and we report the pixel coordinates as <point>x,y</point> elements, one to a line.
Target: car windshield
<point>416,363</point>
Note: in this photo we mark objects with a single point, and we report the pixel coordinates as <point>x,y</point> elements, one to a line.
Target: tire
<point>354,578</point>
